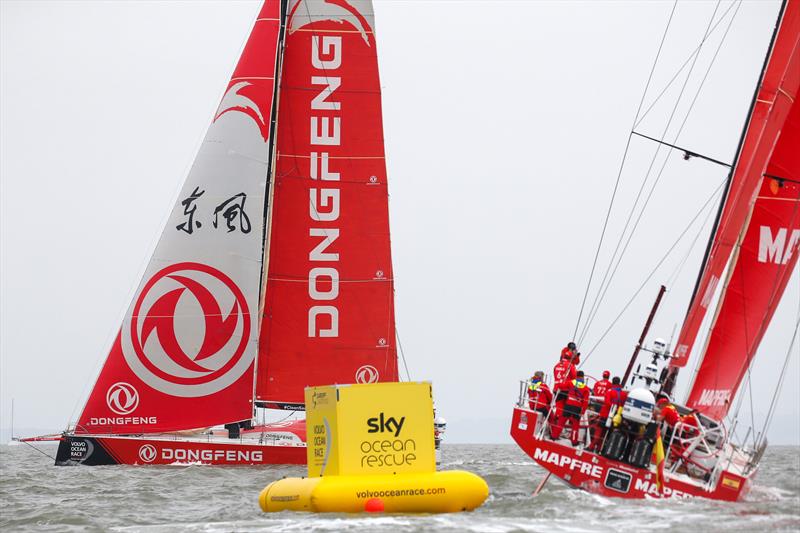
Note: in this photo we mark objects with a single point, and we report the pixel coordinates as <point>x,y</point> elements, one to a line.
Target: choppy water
<point>34,495</point>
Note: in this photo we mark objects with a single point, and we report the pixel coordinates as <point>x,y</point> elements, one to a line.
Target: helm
<point>663,398</point>
<point>659,346</point>
<point>571,346</point>
<point>606,374</point>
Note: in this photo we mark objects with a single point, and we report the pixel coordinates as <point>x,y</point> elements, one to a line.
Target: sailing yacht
<point>749,259</point>
<point>274,269</point>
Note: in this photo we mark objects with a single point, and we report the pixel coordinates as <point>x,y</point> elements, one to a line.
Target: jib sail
<point>184,355</point>
<point>329,303</point>
<point>772,102</point>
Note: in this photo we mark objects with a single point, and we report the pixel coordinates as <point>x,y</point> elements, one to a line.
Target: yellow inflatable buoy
<point>428,492</point>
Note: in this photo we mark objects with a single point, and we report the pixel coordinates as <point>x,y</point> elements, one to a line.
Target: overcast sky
<point>505,124</point>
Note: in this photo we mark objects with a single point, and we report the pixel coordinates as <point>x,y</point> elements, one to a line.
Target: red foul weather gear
<point>576,402</point>
<point>614,398</point>
<point>669,413</point>
<point>563,372</point>
<point>539,396</point>
<point>601,387</point>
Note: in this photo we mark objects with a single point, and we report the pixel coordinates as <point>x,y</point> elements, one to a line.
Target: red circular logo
<point>367,374</point>
<point>189,331</point>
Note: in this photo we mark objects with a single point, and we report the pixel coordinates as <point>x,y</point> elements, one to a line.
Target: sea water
<point>35,495</point>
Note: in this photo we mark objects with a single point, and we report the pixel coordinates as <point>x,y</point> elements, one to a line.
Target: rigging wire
<point>603,288</point>
<point>653,271</point>
<point>688,59</point>
<point>781,378</point>
<point>602,291</point>
<point>38,449</point>
<point>402,353</point>
<point>673,277</point>
<point>622,166</point>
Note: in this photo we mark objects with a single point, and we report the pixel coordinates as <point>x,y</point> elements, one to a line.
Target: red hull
<point>169,450</point>
<point>600,475</point>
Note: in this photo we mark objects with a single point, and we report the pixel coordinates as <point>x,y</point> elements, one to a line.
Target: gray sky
<point>505,124</point>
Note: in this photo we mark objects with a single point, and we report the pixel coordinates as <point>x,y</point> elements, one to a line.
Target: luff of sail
<point>764,263</point>
<point>184,356</point>
<point>329,303</point>
<point>773,100</point>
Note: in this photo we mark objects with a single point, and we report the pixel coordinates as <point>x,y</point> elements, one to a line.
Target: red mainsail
<point>775,95</point>
<point>328,314</point>
<point>766,258</point>
<point>185,353</point>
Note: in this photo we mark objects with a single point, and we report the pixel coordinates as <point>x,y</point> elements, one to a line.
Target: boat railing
<point>523,392</point>
<point>694,447</point>
<point>755,458</point>
<point>543,424</point>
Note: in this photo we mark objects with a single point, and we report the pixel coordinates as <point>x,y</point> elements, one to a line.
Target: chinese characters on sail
<point>230,212</point>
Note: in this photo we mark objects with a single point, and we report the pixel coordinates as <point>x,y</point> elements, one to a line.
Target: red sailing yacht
<point>750,257</point>
<point>274,270</point>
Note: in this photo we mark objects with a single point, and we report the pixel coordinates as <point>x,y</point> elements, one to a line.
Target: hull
<point>599,475</point>
<point>95,450</point>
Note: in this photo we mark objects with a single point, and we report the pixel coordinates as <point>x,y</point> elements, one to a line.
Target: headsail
<point>773,100</point>
<point>764,264</point>
<point>184,355</point>
<point>329,304</point>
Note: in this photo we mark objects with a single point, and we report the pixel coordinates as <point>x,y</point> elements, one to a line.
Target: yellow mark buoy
<point>430,492</point>
<point>371,449</point>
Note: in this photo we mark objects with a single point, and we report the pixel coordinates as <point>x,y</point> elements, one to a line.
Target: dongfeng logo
<point>367,374</point>
<point>301,14</point>
<point>236,99</point>
<point>189,331</point>
<point>147,453</point>
<point>122,398</point>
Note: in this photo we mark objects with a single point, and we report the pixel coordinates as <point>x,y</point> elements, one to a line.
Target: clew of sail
<point>776,92</point>
<point>764,263</point>
<point>184,356</point>
<point>328,314</point>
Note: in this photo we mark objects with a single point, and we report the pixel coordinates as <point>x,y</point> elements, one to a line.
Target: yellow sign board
<point>375,428</point>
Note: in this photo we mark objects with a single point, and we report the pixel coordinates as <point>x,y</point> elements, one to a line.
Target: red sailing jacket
<point>615,397</point>
<point>670,414</point>
<point>539,395</point>
<point>601,387</point>
<point>564,372</point>
<point>577,393</point>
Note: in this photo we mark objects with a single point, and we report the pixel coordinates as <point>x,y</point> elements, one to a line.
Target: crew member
<point>539,394</point>
<point>613,401</point>
<point>569,351</point>
<point>563,374</point>
<point>602,386</point>
<point>666,412</point>
<point>574,406</point>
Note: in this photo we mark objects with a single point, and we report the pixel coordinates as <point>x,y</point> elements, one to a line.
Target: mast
<point>647,324</point>
<point>262,290</point>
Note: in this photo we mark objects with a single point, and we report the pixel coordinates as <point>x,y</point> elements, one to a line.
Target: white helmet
<point>659,346</point>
